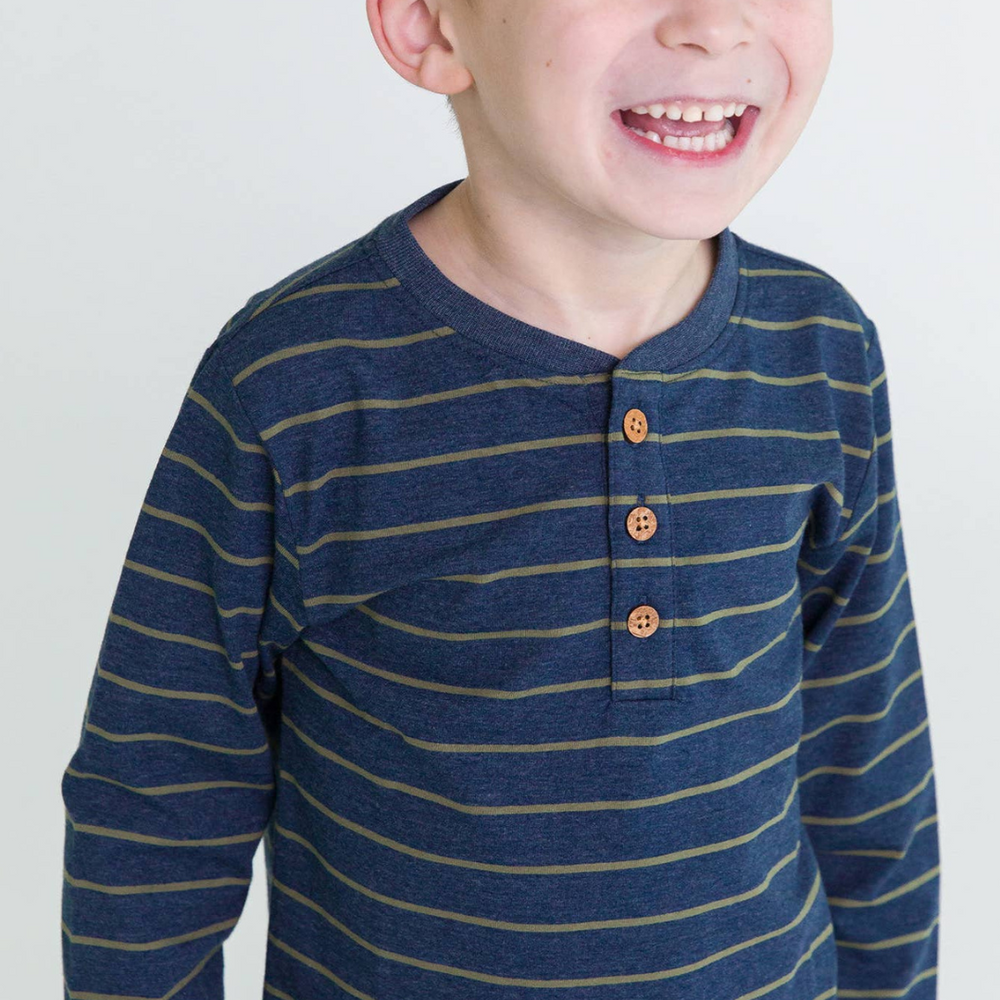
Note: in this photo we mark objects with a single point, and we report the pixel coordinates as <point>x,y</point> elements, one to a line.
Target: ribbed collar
<point>470,316</point>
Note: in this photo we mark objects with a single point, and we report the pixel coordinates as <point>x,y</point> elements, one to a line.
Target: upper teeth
<point>691,112</point>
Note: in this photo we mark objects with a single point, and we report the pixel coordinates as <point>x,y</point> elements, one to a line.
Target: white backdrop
<point>163,161</point>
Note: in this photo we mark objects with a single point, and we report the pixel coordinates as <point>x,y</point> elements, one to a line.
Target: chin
<point>684,224</point>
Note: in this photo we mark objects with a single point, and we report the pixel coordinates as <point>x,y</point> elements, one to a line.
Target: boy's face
<point>545,80</point>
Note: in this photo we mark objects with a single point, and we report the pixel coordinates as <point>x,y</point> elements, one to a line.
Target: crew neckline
<point>470,316</point>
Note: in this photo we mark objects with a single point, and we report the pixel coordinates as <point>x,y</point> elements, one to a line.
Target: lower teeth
<point>711,143</point>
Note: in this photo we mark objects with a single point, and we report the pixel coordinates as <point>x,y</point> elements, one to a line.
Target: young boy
<point>528,572</point>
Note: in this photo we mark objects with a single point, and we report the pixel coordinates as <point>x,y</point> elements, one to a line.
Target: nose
<point>715,27</point>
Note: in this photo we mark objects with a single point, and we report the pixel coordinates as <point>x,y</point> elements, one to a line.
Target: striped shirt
<point>389,606</point>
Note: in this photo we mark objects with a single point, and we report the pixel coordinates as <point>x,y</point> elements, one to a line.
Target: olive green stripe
<point>170,738</point>
<point>837,599</point>
<point>192,786</point>
<point>324,345</point>
<point>176,456</point>
<point>882,556</point>
<point>144,838</point>
<point>877,442</point>
<point>886,853</point>
<point>149,945</point>
<point>568,503</point>
<point>637,562</point>
<point>173,991</point>
<point>577,565</point>
<point>524,633</point>
<point>567,630</point>
<point>339,286</point>
<point>282,995</point>
<point>727,432</point>
<point>534,808</point>
<point>424,685</point>
<point>451,522</point>
<point>476,976</point>
<point>319,265</point>
<point>284,552</point>
<point>543,928</point>
<point>882,498</point>
<point>781,489</point>
<point>284,612</point>
<point>226,425</point>
<point>185,581</point>
<point>895,942</point>
<point>879,557</point>
<point>875,615</point>
<point>188,522</point>
<point>558,746</point>
<point>499,693</point>
<point>740,609</point>
<point>871,813</point>
<point>844,601</point>
<point>781,380</point>
<point>187,640</point>
<point>805,957</point>
<point>869,716</point>
<point>723,675</point>
<point>445,395</point>
<point>896,744</point>
<point>497,385</point>
<point>861,671</point>
<point>887,897</point>
<point>539,444</point>
<point>698,560</point>
<point>311,963</point>
<point>171,693</point>
<point>588,867</point>
<point>442,459</point>
<point>798,324</point>
<point>137,890</point>
<point>850,449</point>
<point>926,974</point>
<point>774,272</point>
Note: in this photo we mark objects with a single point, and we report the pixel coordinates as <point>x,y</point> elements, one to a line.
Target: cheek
<point>801,31</point>
<point>806,57</point>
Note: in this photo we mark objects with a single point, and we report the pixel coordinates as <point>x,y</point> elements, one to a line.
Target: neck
<point>556,271</point>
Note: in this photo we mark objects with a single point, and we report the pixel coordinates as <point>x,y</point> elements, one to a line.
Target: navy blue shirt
<point>540,672</point>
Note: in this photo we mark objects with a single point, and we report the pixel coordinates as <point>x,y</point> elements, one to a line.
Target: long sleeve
<point>866,774</point>
<point>171,786</point>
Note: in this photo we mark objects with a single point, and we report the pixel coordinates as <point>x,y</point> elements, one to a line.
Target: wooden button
<point>641,523</point>
<point>635,425</point>
<point>643,621</point>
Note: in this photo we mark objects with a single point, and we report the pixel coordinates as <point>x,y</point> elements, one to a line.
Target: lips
<point>666,150</point>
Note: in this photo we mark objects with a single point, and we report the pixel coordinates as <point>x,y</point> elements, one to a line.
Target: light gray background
<point>163,161</point>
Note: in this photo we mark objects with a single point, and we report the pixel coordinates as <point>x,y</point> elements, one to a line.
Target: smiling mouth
<point>694,127</point>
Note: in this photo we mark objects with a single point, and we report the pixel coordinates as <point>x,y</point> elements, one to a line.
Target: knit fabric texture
<point>375,613</point>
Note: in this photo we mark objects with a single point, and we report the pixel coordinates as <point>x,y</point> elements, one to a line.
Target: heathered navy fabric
<point>374,611</point>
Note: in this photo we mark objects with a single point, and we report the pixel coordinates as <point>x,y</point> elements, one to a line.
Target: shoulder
<point>811,324</point>
<point>801,282</point>
<point>788,293</point>
<point>342,297</point>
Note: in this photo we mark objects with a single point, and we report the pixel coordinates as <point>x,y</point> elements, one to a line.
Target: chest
<point>629,541</point>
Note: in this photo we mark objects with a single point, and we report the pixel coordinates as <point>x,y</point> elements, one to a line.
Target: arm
<point>171,785</point>
<point>867,791</point>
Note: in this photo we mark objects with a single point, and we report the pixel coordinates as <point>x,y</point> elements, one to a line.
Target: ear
<point>418,40</point>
